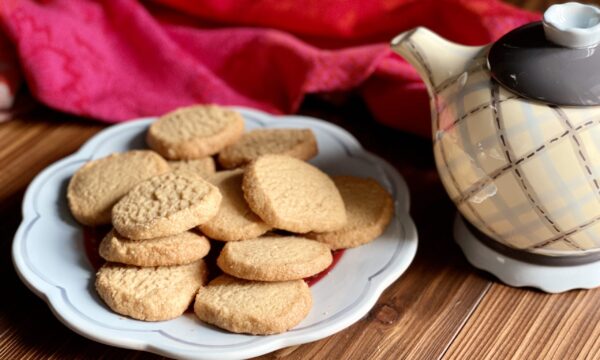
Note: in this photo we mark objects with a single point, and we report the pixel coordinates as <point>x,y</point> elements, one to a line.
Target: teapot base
<point>519,268</point>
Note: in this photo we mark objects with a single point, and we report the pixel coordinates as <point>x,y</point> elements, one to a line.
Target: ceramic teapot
<point>516,129</point>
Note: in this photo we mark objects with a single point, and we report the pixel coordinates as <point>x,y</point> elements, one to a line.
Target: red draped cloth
<point>115,60</point>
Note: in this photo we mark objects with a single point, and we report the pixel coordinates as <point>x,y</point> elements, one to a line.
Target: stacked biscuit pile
<point>278,216</point>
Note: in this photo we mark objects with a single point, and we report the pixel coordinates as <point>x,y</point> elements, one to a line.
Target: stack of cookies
<point>275,216</point>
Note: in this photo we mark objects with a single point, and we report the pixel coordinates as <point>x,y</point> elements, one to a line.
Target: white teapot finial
<point>572,25</point>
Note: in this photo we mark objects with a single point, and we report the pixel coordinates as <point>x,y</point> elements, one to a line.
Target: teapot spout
<point>436,59</point>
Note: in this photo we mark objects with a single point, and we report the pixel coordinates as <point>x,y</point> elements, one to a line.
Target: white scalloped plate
<point>48,253</point>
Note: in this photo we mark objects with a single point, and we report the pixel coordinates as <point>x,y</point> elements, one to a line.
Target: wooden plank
<point>417,317</point>
<point>29,144</point>
<point>28,329</point>
<point>528,324</point>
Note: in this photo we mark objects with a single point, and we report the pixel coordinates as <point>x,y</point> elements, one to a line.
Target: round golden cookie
<point>165,205</point>
<point>298,143</point>
<point>195,132</point>
<point>274,258</point>
<point>96,187</point>
<point>204,167</point>
<point>235,220</point>
<point>293,195</point>
<point>177,249</point>
<point>253,307</point>
<point>369,207</point>
<point>150,293</point>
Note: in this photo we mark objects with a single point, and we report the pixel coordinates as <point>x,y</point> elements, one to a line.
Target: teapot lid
<point>556,61</point>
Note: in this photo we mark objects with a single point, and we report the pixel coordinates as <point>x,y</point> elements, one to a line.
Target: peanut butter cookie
<point>235,220</point>
<point>274,258</point>
<point>97,186</point>
<point>253,307</point>
<point>177,249</point>
<point>150,293</point>
<point>298,143</point>
<point>195,132</point>
<point>204,167</point>
<point>290,194</point>
<point>369,207</point>
<point>165,205</point>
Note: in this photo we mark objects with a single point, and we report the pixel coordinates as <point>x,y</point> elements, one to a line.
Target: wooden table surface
<point>440,308</point>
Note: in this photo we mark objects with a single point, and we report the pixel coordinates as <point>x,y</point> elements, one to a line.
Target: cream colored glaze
<point>523,172</point>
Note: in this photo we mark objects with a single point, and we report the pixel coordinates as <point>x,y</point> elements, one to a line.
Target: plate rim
<point>54,295</point>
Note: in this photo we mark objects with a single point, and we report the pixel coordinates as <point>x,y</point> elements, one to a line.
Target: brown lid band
<point>530,257</point>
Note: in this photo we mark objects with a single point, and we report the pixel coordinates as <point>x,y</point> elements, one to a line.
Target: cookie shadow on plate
<point>62,206</point>
<point>138,142</point>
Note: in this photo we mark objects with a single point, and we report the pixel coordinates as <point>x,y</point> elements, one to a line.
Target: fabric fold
<point>115,60</point>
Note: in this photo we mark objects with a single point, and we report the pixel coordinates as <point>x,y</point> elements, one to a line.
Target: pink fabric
<point>10,77</point>
<point>115,60</point>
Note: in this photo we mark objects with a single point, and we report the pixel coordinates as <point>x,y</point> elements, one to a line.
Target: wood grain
<point>527,324</point>
<point>440,308</point>
<point>32,142</point>
<point>408,316</point>
<point>28,329</point>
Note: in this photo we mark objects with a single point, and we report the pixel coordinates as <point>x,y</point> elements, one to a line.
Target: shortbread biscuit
<point>177,249</point>
<point>235,220</point>
<point>253,307</point>
<point>195,132</point>
<point>165,205</point>
<point>97,186</point>
<point>204,167</point>
<point>298,143</point>
<point>150,293</point>
<point>274,258</point>
<point>293,195</point>
<point>369,208</point>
